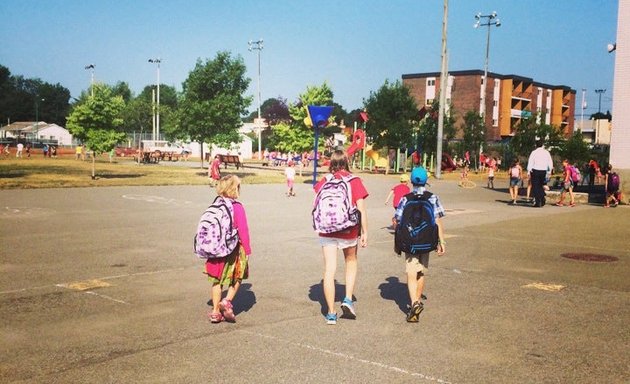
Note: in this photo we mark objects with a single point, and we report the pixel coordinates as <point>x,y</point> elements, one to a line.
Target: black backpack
<point>417,230</point>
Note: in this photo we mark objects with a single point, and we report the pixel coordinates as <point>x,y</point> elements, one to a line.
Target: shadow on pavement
<point>316,293</point>
<point>243,301</point>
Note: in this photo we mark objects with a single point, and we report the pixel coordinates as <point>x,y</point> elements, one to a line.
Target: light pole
<point>91,68</point>
<point>157,110</point>
<point>258,46</point>
<point>492,19</point>
<point>599,92</point>
<point>583,106</point>
<point>37,100</point>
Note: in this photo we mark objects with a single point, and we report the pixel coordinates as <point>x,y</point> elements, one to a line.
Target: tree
<point>427,135</point>
<point>138,113</point>
<point>575,149</point>
<point>97,121</point>
<point>213,102</point>
<point>393,116</point>
<point>527,131</point>
<point>297,136</point>
<point>21,99</point>
<point>474,137</point>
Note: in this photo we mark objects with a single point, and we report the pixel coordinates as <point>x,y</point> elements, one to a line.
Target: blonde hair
<point>229,186</point>
<point>339,161</point>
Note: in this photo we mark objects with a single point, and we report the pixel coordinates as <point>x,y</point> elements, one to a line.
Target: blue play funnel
<point>319,115</point>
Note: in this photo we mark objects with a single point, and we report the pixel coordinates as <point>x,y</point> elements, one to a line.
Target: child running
<point>289,172</point>
<point>398,191</point>
<point>417,265</point>
<point>234,268</point>
<point>347,239</point>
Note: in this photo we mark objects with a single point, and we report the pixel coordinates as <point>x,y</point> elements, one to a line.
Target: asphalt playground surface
<point>100,285</point>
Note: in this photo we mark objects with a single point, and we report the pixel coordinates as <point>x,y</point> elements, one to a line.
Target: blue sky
<point>353,45</point>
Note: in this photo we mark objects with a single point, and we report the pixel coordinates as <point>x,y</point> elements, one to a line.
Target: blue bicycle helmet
<point>419,176</point>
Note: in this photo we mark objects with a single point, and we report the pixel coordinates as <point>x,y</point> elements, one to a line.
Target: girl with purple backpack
<point>234,268</point>
<point>346,239</point>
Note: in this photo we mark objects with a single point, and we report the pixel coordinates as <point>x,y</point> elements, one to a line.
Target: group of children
<point>232,269</point>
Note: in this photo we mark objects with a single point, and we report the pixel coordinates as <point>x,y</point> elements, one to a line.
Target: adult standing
<point>539,166</point>
<point>20,148</point>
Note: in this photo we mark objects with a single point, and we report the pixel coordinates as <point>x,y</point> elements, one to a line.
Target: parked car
<point>124,151</point>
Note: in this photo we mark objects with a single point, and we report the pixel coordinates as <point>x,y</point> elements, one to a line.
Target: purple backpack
<point>333,210</point>
<point>216,235</point>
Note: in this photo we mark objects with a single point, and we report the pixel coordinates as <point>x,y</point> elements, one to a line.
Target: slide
<point>358,142</point>
<point>448,165</point>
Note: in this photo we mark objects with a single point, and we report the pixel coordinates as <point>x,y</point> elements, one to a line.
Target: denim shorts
<point>514,181</point>
<point>339,243</point>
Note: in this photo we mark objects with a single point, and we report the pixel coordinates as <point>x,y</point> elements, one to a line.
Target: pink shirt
<point>240,222</point>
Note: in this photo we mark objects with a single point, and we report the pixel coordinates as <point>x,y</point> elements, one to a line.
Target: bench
<point>227,159</point>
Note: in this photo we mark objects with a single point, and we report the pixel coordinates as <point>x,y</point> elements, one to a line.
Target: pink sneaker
<point>215,317</point>
<point>225,306</point>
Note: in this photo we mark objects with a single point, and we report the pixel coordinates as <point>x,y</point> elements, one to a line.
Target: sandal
<point>227,310</point>
<point>215,317</point>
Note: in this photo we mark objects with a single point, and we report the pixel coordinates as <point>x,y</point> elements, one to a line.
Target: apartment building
<point>509,99</point>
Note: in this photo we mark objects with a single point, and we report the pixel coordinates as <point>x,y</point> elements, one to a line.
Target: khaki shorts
<point>417,263</point>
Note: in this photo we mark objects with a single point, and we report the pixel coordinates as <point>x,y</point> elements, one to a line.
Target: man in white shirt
<point>20,147</point>
<point>539,166</point>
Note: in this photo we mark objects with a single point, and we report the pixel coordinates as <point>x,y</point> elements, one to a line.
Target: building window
<point>495,122</point>
<point>430,101</point>
<point>431,82</point>
<point>494,103</point>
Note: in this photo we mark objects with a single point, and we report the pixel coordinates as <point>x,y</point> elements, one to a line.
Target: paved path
<point>100,286</point>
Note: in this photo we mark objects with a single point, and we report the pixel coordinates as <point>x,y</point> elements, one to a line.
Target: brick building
<point>509,98</point>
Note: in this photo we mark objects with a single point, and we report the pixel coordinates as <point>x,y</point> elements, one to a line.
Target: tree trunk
<point>201,151</point>
<point>93,165</point>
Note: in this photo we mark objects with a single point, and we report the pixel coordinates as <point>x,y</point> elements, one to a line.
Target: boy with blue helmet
<point>417,264</point>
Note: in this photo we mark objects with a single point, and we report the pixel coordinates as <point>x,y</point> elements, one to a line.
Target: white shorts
<point>339,243</point>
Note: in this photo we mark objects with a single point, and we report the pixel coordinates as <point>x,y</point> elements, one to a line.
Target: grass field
<point>64,172</point>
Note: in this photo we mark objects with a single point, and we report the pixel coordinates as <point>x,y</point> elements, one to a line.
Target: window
<point>430,101</point>
<point>431,82</point>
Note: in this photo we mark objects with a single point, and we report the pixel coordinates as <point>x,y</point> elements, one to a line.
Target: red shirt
<point>358,192</point>
<point>399,191</point>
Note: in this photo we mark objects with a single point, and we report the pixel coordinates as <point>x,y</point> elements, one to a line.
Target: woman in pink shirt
<point>234,268</point>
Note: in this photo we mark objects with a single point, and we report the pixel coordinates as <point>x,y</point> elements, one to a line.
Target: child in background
<point>289,172</point>
<point>214,171</point>
<point>516,172</point>
<point>234,268</point>
<point>567,184</point>
<point>491,168</point>
<point>611,183</point>
<point>398,191</point>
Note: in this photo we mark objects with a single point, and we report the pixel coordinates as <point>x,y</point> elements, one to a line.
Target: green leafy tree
<point>474,136</point>
<point>393,116</point>
<point>21,99</point>
<point>213,101</point>
<point>575,149</point>
<point>297,136</point>
<point>528,131</point>
<point>427,135</point>
<point>97,121</point>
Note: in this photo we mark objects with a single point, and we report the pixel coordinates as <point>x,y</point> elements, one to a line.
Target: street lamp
<point>37,100</point>
<point>599,92</point>
<point>91,68</point>
<point>258,46</point>
<point>157,117</point>
<point>492,19</point>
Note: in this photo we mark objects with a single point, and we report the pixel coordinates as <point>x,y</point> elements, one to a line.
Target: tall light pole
<point>491,19</point>
<point>37,100</point>
<point>443,86</point>
<point>599,92</point>
<point>157,110</point>
<point>91,68</point>
<point>583,106</point>
<point>258,46</point>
